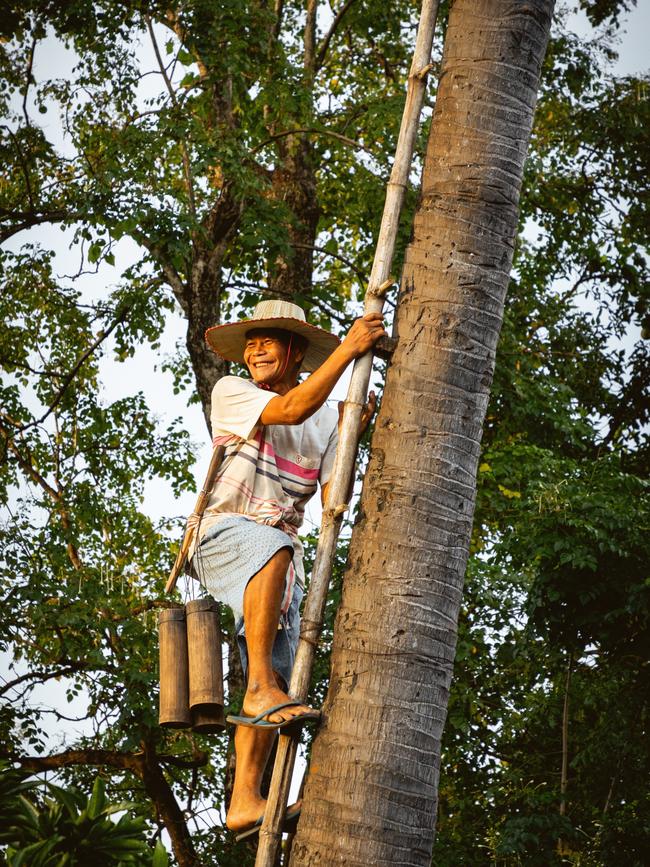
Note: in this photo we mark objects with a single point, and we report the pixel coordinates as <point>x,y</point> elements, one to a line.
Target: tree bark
<point>294,184</point>
<point>371,794</point>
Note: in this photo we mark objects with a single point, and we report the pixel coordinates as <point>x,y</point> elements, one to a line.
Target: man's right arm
<point>302,401</point>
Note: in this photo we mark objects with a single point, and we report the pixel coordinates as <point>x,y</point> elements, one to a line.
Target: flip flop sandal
<point>288,827</point>
<point>258,722</point>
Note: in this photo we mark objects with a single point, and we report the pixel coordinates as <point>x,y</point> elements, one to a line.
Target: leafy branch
<point>34,677</point>
<point>312,131</point>
<point>322,51</point>
<point>101,337</point>
<point>189,181</point>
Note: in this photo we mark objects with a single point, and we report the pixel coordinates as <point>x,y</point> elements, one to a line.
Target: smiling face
<point>265,356</point>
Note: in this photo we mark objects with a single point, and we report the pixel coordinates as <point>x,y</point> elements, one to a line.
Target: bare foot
<point>258,697</point>
<point>244,812</point>
<point>242,816</point>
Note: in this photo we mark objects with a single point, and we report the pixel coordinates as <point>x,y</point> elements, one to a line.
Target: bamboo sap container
<point>205,668</point>
<point>174,709</point>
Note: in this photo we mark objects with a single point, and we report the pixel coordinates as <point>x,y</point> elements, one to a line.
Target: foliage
<point>557,606</point>
<point>63,827</point>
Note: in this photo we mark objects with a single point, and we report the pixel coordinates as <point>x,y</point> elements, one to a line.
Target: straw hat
<point>229,340</point>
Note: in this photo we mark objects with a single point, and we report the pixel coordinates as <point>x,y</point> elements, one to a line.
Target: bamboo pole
<point>336,506</point>
<point>199,509</point>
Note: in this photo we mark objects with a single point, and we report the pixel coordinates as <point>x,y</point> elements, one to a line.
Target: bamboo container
<point>174,708</point>
<point>205,669</point>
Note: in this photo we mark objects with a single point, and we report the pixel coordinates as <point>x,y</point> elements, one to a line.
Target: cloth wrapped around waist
<point>234,549</point>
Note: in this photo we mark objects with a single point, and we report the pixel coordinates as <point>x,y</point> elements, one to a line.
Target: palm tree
<point>371,792</point>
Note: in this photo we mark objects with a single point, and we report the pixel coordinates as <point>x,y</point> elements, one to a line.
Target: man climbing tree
<point>279,441</point>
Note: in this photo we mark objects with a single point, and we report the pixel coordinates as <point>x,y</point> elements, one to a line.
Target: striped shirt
<point>269,472</point>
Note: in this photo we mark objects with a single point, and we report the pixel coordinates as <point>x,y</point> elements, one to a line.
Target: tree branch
<point>171,814</point>
<point>277,26</point>
<point>310,41</point>
<point>189,182</point>
<point>312,131</point>
<point>23,163</point>
<point>28,76</point>
<point>363,278</point>
<point>171,274</point>
<point>101,337</point>
<point>198,760</point>
<point>110,758</point>
<point>43,677</point>
<point>322,51</point>
<point>26,465</point>
<point>56,216</point>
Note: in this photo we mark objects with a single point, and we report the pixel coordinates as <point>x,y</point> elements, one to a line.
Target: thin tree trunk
<point>371,794</point>
<point>564,773</point>
<point>564,776</point>
<point>294,184</point>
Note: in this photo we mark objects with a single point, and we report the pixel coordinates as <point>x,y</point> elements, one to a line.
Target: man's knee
<point>285,555</point>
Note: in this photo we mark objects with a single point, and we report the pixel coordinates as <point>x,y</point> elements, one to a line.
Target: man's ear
<point>298,353</point>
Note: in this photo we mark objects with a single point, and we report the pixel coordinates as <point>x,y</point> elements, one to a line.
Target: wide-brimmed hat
<point>229,340</point>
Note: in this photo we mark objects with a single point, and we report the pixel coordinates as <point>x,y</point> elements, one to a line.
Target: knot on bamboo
<point>381,290</point>
<point>337,511</point>
<point>313,627</point>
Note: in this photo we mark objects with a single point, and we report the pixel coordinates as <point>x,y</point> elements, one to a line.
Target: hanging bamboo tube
<point>205,669</point>
<point>174,708</point>
<point>270,833</point>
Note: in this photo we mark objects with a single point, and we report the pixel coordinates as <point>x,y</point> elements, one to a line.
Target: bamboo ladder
<point>380,281</point>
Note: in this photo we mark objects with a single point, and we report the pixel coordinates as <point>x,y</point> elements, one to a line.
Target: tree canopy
<point>229,151</point>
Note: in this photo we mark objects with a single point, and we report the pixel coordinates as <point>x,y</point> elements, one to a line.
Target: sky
<point>143,371</point>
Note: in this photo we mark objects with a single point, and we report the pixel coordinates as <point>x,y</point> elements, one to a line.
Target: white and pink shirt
<point>268,473</point>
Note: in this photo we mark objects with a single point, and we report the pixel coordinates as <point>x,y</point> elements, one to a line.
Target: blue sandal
<point>288,827</point>
<point>258,722</point>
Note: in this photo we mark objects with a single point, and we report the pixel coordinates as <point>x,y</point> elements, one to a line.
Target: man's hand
<point>302,401</point>
<point>366,414</point>
<point>363,335</point>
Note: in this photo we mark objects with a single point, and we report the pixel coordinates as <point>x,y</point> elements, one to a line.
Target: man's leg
<point>262,601</point>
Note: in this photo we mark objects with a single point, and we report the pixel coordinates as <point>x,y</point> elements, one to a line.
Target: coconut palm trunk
<point>371,794</point>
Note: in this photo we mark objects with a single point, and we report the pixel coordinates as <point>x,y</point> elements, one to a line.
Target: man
<point>279,441</point>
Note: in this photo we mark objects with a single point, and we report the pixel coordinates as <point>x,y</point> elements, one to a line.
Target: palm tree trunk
<point>371,794</point>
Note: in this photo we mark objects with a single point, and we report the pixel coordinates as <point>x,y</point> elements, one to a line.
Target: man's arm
<point>301,402</point>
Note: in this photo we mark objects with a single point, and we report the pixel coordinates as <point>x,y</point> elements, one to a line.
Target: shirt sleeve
<point>237,405</point>
<point>327,463</point>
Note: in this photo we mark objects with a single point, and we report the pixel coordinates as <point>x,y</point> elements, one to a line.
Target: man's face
<point>265,353</point>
